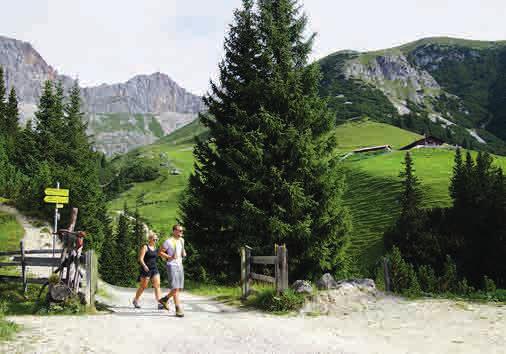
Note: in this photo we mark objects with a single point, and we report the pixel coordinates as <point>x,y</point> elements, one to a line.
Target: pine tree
<point>46,124</point>
<point>139,234</point>
<point>12,114</point>
<point>26,150</point>
<point>11,123</point>
<point>3,123</point>
<point>410,233</point>
<point>138,240</point>
<point>108,257</point>
<point>124,250</point>
<point>412,196</point>
<point>266,175</point>
<point>78,144</point>
<point>456,181</point>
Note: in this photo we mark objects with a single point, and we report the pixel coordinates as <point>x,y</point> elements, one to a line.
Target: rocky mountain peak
<point>121,116</point>
<point>25,69</point>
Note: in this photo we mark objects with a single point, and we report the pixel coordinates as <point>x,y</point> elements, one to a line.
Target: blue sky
<point>110,41</point>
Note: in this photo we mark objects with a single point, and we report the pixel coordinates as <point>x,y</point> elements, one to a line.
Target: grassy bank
<point>11,232</point>
<point>7,329</point>
<point>263,297</point>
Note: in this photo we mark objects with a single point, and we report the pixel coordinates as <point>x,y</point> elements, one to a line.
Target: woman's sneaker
<point>164,303</point>
<point>136,304</point>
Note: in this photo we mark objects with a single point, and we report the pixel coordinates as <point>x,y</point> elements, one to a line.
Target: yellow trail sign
<point>58,192</point>
<point>56,199</point>
<point>59,206</point>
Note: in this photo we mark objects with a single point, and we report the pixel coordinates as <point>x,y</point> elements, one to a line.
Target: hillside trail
<point>381,325</point>
<point>35,237</point>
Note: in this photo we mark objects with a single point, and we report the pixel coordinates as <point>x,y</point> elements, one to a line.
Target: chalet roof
<point>373,148</point>
<point>428,140</point>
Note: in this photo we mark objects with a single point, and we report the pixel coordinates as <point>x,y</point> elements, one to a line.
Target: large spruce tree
<point>266,174</point>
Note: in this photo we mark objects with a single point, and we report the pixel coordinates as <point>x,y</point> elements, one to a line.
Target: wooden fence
<point>20,259</point>
<point>280,262</point>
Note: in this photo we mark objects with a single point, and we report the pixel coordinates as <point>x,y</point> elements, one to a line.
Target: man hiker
<point>173,252</point>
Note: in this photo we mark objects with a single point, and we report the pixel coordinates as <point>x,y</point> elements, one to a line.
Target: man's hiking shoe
<point>179,312</point>
<point>164,303</point>
<point>136,304</point>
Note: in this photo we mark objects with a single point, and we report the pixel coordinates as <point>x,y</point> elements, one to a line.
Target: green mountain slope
<point>372,180</point>
<point>447,87</point>
<point>157,200</point>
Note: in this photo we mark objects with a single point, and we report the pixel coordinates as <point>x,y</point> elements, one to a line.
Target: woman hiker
<point>148,255</point>
<point>173,251</point>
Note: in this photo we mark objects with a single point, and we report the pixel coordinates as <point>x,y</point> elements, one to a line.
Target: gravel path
<point>385,325</point>
<point>391,326</point>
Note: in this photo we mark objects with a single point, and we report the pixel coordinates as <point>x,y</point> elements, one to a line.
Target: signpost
<point>59,197</point>
<point>56,199</point>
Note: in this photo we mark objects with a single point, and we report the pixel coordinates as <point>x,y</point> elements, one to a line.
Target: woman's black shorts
<point>149,274</point>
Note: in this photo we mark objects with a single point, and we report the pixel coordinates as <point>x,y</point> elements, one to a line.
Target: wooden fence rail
<point>19,259</point>
<point>15,253</point>
<point>13,278</point>
<point>280,262</point>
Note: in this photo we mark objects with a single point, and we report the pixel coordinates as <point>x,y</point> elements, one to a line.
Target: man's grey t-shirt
<point>174,246</point>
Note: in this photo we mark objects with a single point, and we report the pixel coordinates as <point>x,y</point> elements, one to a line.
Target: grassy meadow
<point>373,183</point>
<point>157,200</point>
<point>11,233</point>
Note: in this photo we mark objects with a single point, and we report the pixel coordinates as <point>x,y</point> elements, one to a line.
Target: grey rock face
<point>155,93</point>
<point>430,57</point>
<point>396,77</point>
<point>326,282</point>
<point>302,286</point>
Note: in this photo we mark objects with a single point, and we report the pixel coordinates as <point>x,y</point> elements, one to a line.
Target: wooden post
<point>91,279</point>
<point>23,266</point>
<point>283,265</point>
<point>386,274</point>
<point>248,271</point>
<point>244,287</point>
<point>277,269</point>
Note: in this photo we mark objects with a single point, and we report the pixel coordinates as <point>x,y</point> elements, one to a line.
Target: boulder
<point>326,282</point>
<point>302,286</point>
<point>363,285</point>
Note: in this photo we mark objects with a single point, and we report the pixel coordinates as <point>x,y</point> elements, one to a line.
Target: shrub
<point>380,278</point>
<point>463,288</point>
<point>289,300</point>
<point>428,279</point>
<point>414,286</point>
<point>489,285</point>
<point>403,275</point>
<point>71,306</point>
<point>449,280</point>
<point>399,271</point>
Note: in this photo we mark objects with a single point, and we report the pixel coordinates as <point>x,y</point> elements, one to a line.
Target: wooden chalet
<point>428,141</point>
<point>373,149</point>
